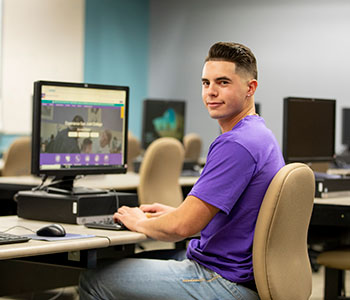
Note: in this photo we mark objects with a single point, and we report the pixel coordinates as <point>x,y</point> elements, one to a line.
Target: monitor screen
<point>346,127</point>
<point>308,129</point>
<point>79,129</point>
<point>162,118</point>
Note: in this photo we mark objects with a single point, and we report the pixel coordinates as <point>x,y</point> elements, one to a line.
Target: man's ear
<point>252,85</point>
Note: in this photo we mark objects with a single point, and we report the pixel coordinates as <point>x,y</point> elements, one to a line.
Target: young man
<point>223,205</point>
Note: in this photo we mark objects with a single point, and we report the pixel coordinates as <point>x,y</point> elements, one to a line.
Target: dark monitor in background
<point>308,129</point>
<point>346,128</point>
<point>79,129</point>
<point>162,118</point>
<point>258,108</point>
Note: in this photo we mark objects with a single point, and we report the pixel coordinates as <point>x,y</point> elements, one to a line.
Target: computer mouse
<point>53,230</point>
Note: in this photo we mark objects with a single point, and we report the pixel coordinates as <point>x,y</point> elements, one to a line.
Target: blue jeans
<point>170,276</point>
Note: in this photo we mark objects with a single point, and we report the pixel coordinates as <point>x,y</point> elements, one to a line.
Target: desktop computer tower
<point>72,209</point>
<point>332,187</point>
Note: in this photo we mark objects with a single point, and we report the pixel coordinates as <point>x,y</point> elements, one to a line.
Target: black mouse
<point>53,230</point>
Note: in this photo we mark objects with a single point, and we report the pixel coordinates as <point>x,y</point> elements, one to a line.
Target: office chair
<point>336,262</point>
<point>160,171</point>
<point>280,256</point>
<point>193,146</point>
<point>134,150</point>
<point>18,158</point>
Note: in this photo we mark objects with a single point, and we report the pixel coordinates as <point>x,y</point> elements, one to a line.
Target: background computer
<point>346,129</point>
<point>308,130</point>
<point>343,158</point>
<point>162,118</point>
<point>78,129</point>
<point>258,108</point>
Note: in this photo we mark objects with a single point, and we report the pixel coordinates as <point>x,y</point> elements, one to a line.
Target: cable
<point>18,226</point>
<point>52,183</point>
<point>43,179</point>
<point>57,295</point>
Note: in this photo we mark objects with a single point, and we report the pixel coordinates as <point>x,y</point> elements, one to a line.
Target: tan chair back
<point>193,146</point>
<point>280,257</point>
<point>160,171</point>
<point>134,150</point>
<point>18,158</point>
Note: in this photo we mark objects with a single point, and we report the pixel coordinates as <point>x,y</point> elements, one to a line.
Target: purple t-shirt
<point>240,165</point>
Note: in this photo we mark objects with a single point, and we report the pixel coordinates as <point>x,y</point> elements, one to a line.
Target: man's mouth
<point>214,104</point>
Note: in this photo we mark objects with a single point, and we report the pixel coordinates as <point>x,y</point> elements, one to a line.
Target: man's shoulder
<point>248,130</point>
<point>252,136</point>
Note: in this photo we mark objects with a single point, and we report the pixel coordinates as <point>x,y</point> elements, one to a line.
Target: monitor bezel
<point>36,131</point>
<point>305,159</point>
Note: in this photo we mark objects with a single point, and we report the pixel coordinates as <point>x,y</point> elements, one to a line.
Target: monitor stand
<point>65,185</point>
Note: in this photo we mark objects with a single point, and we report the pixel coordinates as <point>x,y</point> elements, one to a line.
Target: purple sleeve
<point>227,173</point>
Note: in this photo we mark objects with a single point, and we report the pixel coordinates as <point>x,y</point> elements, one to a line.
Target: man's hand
<point>155,209</point>
<point>171,224</point>
<point>129,216</point>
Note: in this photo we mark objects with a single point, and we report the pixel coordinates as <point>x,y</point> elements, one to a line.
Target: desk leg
<point>334,283</point>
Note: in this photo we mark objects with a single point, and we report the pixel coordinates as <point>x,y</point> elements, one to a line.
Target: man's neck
<point>227,125</point>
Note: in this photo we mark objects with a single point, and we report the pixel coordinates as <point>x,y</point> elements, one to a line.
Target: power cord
<point>43,179</point>
<point>18,226</point>
<point>42,187</point>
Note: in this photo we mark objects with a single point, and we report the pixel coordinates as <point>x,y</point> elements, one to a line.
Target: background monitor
<point>79,129</point>
<point>162,118</point>
<point>346,128</point>
<point>258,108</point>
<point>308,129</point>
<point>6,139</point>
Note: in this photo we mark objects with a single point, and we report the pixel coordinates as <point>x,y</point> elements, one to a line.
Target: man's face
<point>224,92</point>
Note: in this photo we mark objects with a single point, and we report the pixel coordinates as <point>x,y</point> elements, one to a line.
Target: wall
<point>157,47</point>
<point>302,48</point>
<point>116,49</point>
<point>40,40</point>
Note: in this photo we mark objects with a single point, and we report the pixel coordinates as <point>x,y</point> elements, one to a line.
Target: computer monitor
<point>79,129</point>
<point>346,128</point>
<point>308,129</point>
<point>258,108</point>
<point>6,139</point>
<point>162,118</point>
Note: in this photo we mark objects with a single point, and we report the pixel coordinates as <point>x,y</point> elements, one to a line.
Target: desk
<point>329,225</point>
<point>120,182</point>
<point>128,182</point>
<point>344,172</point>
<point>330,222</point>
<point>72,254</point>
<point>331,212</point>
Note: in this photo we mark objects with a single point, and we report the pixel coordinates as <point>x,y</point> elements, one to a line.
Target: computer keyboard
<point>109,225</point>
<point>8,238</point>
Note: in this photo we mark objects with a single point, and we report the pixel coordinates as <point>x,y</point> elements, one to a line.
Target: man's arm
<point>186,220</point>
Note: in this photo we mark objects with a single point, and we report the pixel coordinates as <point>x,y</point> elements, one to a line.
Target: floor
<point>71,293</point>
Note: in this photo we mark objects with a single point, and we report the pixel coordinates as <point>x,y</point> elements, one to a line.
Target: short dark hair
<point>239,54</point>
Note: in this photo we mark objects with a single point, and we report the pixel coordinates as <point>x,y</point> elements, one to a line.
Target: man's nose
<point>212,90</point>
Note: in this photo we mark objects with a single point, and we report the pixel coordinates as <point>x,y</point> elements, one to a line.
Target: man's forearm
<point>164,228</point>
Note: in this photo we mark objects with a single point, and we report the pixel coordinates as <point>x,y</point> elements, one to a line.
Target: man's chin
<point>215,116</point>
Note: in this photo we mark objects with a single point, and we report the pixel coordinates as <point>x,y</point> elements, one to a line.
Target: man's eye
<point>205,83</point>
<point>224,82</point>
